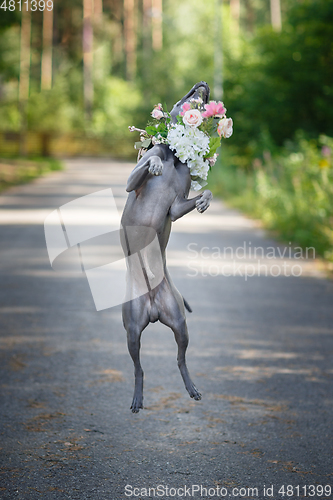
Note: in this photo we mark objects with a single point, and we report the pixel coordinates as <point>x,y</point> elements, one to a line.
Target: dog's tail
<point>187,305</point>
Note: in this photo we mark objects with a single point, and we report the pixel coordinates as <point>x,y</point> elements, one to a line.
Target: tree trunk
<point>88,88</point>
<point>24,75</point>
<point>276,15</point>
<point>218,52</point>
<point>235,13</point>
<point>98,10</point>
<point>157,31</point>
<point>45,142</point>
<point>146,25</point>
<point>46,79</point>
<point>130,38</point>
<point>25,54</point>
<point>250,15</point>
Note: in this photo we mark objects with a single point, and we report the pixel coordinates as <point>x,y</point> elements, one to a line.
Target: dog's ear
<point>203,91</point>
<point>200,89</point>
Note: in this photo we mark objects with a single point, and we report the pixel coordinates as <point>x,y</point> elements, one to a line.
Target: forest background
<point>74,77</point>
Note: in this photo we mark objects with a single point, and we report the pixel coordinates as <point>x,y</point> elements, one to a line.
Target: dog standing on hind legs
<point>158,190</point>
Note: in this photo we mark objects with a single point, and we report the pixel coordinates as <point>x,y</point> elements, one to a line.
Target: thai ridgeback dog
<point>158,190</point>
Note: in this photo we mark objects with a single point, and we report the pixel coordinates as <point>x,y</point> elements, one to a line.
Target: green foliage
<point>279,92</point>
<point>159,129</point>
<point>214,143</point>
<point>115,108</point>
<point>292,193</point>
<point>10,117</point>
<point>151,130</point>
<point>10,18</point>
<point>282,82</point>
<point>50,110</point>
<point>10,46</point>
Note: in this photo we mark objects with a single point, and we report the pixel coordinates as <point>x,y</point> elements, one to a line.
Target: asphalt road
<point>260,353</point>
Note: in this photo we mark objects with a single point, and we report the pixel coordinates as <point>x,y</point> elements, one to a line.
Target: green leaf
<point>199,180</point>
<point>151,130</point>
<point>162,127</point>
<point>214,143</point>
<point>146,143</point>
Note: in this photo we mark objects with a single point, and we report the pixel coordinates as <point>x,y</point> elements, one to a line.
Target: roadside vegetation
<point>278,166</point>
<point>291,192</point>
<point>21,170</point>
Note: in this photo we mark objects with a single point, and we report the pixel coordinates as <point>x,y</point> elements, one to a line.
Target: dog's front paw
<point>155,165</point>
<point>204,201</point>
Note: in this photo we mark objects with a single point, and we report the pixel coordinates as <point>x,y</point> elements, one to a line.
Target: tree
<point>25,55</point>
<point>87,42</point>
<point>276,15</point>
<point>130,31</point>
<point>283,81</point>
<point>157,31</point>
<point>46,76</point>
<point>235,13</point>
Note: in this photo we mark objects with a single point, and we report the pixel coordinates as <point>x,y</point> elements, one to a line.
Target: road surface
<point>260,353</point>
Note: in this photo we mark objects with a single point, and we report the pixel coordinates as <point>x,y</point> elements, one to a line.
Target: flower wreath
<point>194,138</point>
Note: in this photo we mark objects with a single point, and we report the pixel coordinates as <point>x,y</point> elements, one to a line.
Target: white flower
<point>192,118</point>
<point>158,139</point>
<point>195,185</point>
<point>190,146</point>
<point>200,141</point>
<point>199,167</point>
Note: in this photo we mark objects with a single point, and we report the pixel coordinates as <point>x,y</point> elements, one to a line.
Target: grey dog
<point>158,190</point>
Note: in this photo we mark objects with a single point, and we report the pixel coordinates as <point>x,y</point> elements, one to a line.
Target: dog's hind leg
<point>134,344</point>
<point>136,318</point>
<point>181,336</point>
<point>172,314</point>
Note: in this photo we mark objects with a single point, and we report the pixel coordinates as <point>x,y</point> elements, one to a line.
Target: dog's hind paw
<point>194,393</point>
<point>136,405</point>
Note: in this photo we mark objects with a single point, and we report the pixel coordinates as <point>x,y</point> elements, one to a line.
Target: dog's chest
<point>175,176</point>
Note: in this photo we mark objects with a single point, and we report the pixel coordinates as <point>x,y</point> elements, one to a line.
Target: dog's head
<point>200,89</point>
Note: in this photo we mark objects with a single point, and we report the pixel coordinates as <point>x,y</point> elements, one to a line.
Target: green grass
<point>18,170</point>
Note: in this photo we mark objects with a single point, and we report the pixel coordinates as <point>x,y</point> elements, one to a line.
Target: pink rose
<point>192,117</point>
<point>224,128</point>
<point>185,107</point>
<point>214,108</point>
<point>157,114</point>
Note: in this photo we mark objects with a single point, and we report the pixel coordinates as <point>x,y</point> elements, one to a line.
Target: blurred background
<point>74,74</point>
